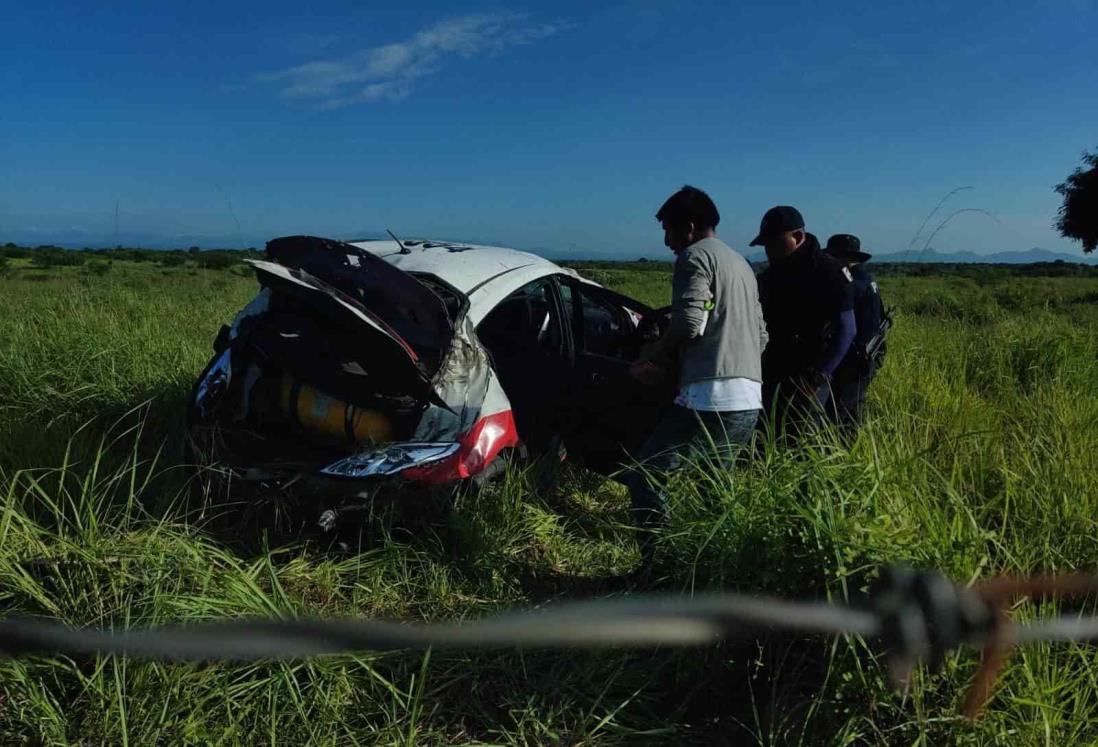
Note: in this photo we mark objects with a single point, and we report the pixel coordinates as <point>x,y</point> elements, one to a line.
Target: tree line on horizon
<point>46,256</point>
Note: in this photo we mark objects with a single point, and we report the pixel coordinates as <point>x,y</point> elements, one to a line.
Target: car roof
<point>464,266</point>
<point>486,274</point>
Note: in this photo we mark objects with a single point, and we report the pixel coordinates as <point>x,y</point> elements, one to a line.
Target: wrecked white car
<point>371,363</point>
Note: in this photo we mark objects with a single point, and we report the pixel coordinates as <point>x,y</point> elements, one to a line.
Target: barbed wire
<point>913,617</point>
<point>626,623</point>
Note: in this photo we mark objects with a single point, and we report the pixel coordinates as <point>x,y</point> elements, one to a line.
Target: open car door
<point>613,413</point>
<point>526,334</point>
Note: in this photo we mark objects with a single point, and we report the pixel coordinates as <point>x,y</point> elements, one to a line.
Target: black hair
<point>689,205</point>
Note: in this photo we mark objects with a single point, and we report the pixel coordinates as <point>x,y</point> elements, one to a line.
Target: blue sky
<point>559,127</point>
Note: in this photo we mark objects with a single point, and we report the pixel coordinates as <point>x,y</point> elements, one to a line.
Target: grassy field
<point>980,457</point>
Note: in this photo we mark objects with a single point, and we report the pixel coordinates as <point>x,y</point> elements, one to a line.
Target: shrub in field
<point>215,260</point>
<point>99,267</point>
<point>14,251</point>
<point>48,256</point>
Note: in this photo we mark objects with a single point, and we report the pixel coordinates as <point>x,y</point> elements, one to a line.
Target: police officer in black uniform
<point>851,380</point>
<point>807,299</point>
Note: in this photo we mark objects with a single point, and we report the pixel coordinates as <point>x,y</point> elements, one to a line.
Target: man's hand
<point>647,372</point>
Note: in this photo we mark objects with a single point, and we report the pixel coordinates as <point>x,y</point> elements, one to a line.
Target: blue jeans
<point>680,433</point>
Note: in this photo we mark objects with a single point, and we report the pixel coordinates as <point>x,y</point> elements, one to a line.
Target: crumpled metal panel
<point>464,384</point>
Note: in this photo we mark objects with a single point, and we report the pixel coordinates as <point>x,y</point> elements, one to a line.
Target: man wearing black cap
<point>808,302</point>
<point>851,380</point>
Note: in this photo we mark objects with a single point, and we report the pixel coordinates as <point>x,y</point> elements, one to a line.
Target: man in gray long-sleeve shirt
<point>715,341</point>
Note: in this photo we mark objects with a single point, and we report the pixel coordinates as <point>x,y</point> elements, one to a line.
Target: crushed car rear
<point>344,372</point>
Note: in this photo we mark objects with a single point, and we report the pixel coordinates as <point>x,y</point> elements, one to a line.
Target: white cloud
<point>387,72</point>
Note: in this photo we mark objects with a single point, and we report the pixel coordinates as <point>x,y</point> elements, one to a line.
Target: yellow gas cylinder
<point>320,413</point>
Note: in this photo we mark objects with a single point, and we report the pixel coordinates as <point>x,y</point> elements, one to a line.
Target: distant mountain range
<point>1026,257</point>
<point>1005,258</point>
<point>755,255</point>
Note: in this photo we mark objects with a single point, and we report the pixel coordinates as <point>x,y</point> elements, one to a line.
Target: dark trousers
<point>678,435</point>
<point>850,387</point>
<point>791,411</point>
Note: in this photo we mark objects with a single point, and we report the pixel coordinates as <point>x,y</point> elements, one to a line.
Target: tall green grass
<point>978,458</point>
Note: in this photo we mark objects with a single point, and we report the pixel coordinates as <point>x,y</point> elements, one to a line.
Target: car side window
<point>526,320</point>
<point>602,326</point>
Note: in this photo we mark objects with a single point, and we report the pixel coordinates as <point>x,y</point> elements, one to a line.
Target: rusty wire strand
<point>909,627</point>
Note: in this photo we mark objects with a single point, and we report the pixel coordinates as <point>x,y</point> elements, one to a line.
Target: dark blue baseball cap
<point>778,220</point>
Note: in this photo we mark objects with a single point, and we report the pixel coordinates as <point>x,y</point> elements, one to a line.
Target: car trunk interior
<point>333,363</point>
